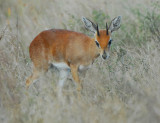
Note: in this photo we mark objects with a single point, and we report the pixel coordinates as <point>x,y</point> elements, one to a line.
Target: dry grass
<point>123,89</point>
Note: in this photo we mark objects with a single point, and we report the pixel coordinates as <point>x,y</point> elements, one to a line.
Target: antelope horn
<point>98,31</point>
<point>106,28</point>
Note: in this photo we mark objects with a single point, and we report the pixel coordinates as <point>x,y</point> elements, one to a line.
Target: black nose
<point>104,56</point>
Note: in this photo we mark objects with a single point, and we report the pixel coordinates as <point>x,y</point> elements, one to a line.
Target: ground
<point>123,89</point>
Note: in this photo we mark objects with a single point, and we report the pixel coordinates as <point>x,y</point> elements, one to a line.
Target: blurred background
<point>123,89</point>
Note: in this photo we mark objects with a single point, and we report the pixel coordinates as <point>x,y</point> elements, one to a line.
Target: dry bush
<point>125,88</point>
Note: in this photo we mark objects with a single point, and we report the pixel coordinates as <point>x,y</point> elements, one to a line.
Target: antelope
<point>70,51</point>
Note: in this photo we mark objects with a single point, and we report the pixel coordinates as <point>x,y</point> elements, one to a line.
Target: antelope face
<point>103,41</point>
<point>103,37</point>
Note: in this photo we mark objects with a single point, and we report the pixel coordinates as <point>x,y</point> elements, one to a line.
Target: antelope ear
<point>89,25</point>
<point>115,24</point>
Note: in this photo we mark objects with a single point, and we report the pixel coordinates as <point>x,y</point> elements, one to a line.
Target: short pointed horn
<point>106,29</point>
<point>98,31</point>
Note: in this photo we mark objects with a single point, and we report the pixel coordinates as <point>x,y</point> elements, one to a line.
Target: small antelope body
<point>69,51</point>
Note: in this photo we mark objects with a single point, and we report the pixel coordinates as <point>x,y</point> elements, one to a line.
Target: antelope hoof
<point>27,84</point>
<point>79,88</point>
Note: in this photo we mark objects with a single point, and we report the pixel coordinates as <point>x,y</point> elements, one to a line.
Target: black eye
<point>109,43</point>
<point>97,43</point>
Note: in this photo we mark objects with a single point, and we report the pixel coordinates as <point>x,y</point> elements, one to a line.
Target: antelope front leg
<point>74,71</point>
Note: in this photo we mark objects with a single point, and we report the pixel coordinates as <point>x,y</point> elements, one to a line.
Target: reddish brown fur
<point>62,46</point>
<point>58,45</point>
<point>103,39</point>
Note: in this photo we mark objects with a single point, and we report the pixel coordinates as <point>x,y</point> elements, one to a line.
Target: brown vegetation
<point>125,88</point>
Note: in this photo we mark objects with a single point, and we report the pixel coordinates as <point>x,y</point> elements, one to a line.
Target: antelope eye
<point>97,43</point>
<point>110,41</point>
